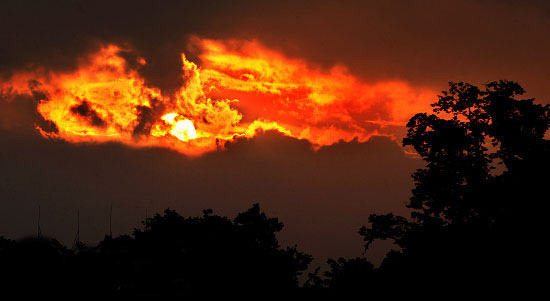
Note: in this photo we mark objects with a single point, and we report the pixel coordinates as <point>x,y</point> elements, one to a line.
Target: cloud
<point>426,42</point>
<point>322,196</point>
<point>241,86</point>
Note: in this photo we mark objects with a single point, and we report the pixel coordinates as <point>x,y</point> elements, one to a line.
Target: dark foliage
<point>171,256</point>
<point>476,209</point>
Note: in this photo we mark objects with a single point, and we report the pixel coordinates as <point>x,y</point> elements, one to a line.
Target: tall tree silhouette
<point>470,216</point>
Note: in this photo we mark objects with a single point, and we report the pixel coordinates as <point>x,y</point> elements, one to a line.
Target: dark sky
<point>323,197</point>
<point>424,42</point>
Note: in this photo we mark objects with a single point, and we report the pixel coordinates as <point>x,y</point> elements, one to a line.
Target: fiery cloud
<point>240,87</point>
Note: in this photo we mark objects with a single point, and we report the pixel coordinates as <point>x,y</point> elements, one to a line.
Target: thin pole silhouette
<point>39,231</point>
<point>77,237</point>
<point>111,221</point>
<point>146,216</point>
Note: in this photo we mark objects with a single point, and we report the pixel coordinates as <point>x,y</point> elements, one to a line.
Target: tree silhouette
<point>467,218</point>
<point>172,256</point>
<point>38,265</point>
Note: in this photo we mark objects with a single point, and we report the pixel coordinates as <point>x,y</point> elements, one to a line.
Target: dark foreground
<point>472,225</point>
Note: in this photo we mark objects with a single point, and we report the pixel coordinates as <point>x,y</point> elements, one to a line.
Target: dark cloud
<point>146,116</point>
<point>426,42</point>
<point>84,111</point>
<point>19,115</point>
<point>323,197</point>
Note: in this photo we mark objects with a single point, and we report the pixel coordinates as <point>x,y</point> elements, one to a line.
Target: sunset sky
<point>298,105</point>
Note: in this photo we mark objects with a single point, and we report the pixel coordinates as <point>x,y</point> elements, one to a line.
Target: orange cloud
<point>239,88</point>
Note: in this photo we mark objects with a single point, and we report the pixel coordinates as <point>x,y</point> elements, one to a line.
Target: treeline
<point>171,255</point>
<point>476,220</point>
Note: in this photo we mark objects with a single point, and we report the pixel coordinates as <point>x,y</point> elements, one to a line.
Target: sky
<point>306,73</point>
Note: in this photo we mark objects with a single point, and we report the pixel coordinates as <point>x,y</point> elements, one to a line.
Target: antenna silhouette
<point>39,231</point>
<point>111,221</point>
<point>146,219</point>
<point>77,237</point>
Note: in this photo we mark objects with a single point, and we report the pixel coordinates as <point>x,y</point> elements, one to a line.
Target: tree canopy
<point>170,255</point>
<point>476,204</point>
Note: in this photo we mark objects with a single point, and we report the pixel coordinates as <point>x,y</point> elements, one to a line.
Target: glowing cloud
<point>240,87</point>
